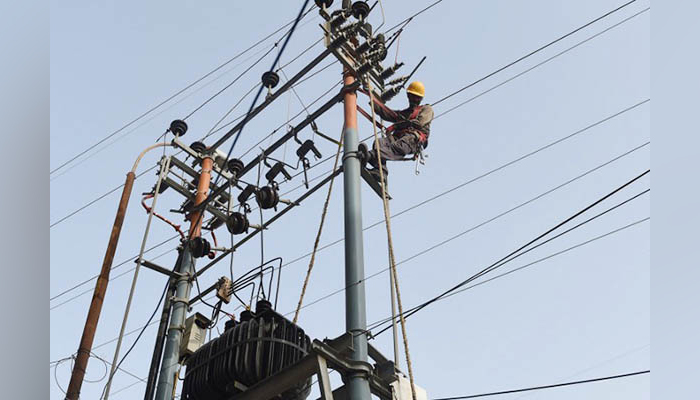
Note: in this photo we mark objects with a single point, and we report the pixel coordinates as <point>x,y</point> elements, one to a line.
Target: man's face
<point>413,100</point>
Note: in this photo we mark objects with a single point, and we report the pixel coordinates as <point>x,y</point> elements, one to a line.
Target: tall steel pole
<point>355,307</point>
<point>183,284</point>
<point>85,348</point>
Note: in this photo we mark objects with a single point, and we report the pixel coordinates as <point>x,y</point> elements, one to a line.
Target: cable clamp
<point>352,154</point>
<point>176,299</point>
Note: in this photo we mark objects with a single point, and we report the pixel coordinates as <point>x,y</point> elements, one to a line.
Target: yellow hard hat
<point>417,88</point>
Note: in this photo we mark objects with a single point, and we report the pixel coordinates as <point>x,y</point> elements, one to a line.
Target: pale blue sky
<point>582,314</point>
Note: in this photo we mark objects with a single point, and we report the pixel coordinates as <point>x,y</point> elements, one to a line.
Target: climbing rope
<point>392,259</point>
<point>318,234</point>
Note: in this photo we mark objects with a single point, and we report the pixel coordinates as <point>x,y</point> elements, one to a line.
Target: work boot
<point>363,154</point>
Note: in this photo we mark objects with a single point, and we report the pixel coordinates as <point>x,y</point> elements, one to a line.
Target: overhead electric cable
<point>378,323</point>
<point>205,76</point>
<point>532,241</point>
<point>541,63</point>
<point>555,385</point>
<point>439,115</point>
<point>628,200</point>
<point>98,199</point>
<point>435,197</point>
<point>534,52</point>
<point>468,230</point>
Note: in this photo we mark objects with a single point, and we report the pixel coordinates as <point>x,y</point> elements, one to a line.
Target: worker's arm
<point>385,112</point>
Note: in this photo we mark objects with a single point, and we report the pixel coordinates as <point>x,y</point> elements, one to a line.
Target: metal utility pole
<point>183,284</point>
<point>83,355</point>
<point>355,307</point>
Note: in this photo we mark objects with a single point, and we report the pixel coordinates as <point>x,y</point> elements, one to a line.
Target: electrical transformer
<point>258,346</point>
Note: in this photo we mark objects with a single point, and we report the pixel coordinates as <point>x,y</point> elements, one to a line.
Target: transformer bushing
<point>259,346</point>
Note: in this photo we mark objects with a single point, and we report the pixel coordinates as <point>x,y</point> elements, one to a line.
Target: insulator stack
<point>267,197</point>
<point>237,223</point>
<point>360,10</point>
<point>391,70</point>
<point>178,127</point>
<point>235,166</point>
<point>259,346</point>
<point>198,147</point>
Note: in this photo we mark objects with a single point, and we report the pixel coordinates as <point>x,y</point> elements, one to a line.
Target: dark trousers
<point>392,148</point>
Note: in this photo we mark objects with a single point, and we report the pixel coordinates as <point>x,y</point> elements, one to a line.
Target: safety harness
<point>409,126</point>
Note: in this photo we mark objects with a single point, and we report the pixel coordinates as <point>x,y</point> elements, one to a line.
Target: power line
<point>98,199</point>
<point>378,323</point>
<point>555,385</point>
<point>435,197</point>
<point>414,309</point>
<point>541,63</point>
<point>534,52</point>
<point>498,263</point>
<point>413,16</point>
<point>468,230</point>
<point>208,74</point>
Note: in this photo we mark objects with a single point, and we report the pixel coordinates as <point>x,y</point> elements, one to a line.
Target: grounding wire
<point>535,51</point>
<point>176,94</point>
<point>479,177</point>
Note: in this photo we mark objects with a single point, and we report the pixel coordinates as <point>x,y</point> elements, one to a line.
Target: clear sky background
<point>581,314</point>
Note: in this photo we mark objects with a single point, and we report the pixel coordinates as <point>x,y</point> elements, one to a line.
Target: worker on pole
<point>409,133</point>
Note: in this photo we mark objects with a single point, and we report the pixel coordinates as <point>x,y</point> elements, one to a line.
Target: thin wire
<point>435,197</point>
<point>99,198</point>
<point>163,172</point>
<point>143,329</point>
<point>542,63</point>
<point>415,309</point>
<point>212,97</point>
<point>437,116</point>
<point>521,248</point>
<point>413,16</point>
<point>176,94</point>
<point>535,51</point>
<point>462,233</point>
<point>604,378</point>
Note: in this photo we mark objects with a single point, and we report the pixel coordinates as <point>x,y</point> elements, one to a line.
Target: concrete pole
<point>85,348</point>
<point>355,307</point>
<point>170,364</point>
